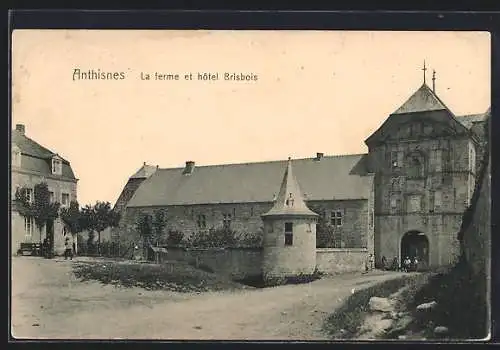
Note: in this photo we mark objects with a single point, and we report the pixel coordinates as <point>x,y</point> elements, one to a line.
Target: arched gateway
<point>415,244</point>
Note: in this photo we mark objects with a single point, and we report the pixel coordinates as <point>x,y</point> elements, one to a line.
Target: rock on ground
<point>426,306</point>
<point>381,304</point>
<point>441,330</point>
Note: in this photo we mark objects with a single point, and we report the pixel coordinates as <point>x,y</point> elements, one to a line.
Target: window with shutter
<point>288,233</point>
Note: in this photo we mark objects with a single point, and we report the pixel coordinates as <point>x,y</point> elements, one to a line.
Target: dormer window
<point>56,165</point>
<point>16,156</point>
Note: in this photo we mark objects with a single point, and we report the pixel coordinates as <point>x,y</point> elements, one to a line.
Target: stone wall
<point>333,260</point>
<point>237,263</point>
<point>476,232</point>
<point>243,263</point>
<point>246,218</point>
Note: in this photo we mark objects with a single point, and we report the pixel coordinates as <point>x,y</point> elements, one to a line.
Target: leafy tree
<point>158,225</point>
<point>144,225</point>
<point>97,218</point>
<point>72,217</point>
<point>40,208</point>
<point>104,217</point>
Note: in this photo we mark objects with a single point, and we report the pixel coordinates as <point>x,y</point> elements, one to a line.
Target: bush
<point>214,238</point>
<point>174,239</point>
<point>461,303</point>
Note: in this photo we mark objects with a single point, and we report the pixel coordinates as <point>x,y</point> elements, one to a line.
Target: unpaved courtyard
<point>48,302</point>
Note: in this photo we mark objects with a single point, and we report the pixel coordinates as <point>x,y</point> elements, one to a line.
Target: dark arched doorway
<point>415,244</point>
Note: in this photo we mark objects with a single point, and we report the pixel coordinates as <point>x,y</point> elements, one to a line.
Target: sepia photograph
<point>250,185</point>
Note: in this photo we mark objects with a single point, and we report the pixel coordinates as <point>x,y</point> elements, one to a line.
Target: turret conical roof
<point>289,201</point>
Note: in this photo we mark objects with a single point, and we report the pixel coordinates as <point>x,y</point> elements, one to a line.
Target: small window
<point>51,197</point>
<point>414,203</point>
<point>394,159</point>
<point>201,221</point>
<point>288,233</point>
<point>30,195</point>
<point>65,199</point>
<point>437,200</point>
<point>336,219</point>
<point>251,211</point>
<point>56,166</point>
<point>16,156</point>
<point>438,160</point>
<point>415,169</point>
<point>29,224</point>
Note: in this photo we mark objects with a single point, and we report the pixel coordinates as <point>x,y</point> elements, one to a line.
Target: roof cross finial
<point>433,80</point>
<point>424,69</point>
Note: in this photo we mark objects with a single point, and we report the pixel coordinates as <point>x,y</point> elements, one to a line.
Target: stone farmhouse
<point>404,197</point>
<point>32,164</point>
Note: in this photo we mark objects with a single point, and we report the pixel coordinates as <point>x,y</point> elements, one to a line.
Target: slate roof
<point>289,201</point>
<point>469,119</point>
<point>37,158</point>
<point>144,172</point>
<point>331,178</point>
<point>422,100</point>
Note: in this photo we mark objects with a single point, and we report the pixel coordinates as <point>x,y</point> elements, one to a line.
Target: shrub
<point>214,238</point>
<point>175,239</point>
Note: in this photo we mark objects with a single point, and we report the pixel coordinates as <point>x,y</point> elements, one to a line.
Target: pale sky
<point>316,92</point>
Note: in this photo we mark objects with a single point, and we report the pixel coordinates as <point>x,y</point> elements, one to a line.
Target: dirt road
<point>48,302</point>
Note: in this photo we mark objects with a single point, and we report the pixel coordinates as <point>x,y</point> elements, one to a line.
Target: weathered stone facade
<point>32,166</point>
<point>25,179</point>
<point>417,179</point>
<point>440,189</point>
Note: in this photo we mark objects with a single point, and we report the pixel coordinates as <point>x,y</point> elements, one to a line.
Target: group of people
<point>69,248</point>
<point>407,265</point>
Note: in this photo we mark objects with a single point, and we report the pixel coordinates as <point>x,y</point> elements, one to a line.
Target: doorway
<point>415,244</point>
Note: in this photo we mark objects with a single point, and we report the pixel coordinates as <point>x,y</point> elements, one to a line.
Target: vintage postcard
<point>250,185</point>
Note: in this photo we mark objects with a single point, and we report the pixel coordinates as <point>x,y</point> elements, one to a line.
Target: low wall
<point>237,263</point>
<point>341,260</point>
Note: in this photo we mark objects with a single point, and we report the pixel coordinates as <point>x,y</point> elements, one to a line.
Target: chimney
<point>318,156</point>
<point>188,170</point>
<point>20,128</point>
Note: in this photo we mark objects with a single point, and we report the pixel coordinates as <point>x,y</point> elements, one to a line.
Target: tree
<point>86,222</point>
<point>158,225</point>
<point>40,208</point>
<point>144,225</point>
<point>72,217</point>
<point>98,218</point>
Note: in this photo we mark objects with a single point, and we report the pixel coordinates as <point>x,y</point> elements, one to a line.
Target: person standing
<point>384,263</point>
<point>68,251</point>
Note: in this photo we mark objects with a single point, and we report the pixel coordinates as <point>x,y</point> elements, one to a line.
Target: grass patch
<point>461,304</point>
<point>346,321</point>
<point>172,276</point>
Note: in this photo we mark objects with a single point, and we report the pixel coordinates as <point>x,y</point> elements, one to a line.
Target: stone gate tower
<point>289,247</point>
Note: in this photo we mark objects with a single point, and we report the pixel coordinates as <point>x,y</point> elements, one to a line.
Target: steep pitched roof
<point>330,178</point>
<point>422,100</point>
<point>37,158</point>
<point>289,200</point>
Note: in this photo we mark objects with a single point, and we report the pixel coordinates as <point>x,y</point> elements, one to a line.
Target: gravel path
<point>48,302</point>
